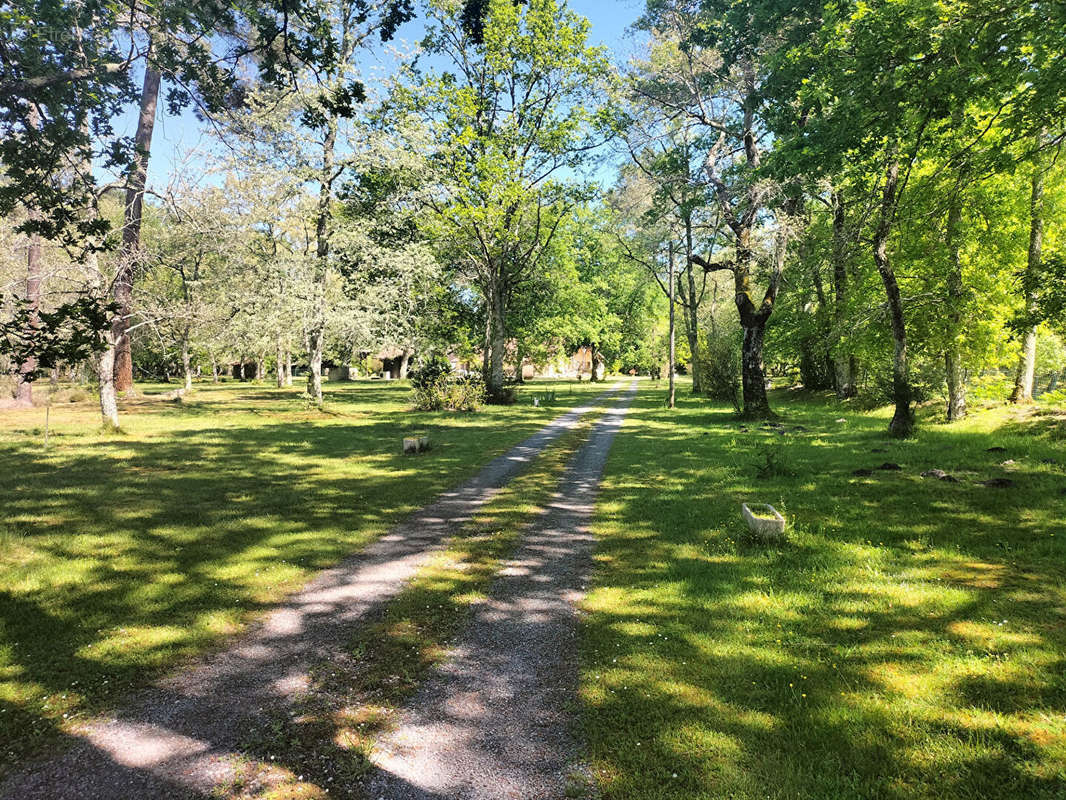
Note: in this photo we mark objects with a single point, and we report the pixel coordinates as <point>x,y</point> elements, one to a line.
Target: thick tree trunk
<point>260,367</point>
<point>843,363</point>
<point>405,362</point>
<point>593,375</point>
<point>131,232</point>
<point>956,378</point>
<point>314,373</point>
<point>288,366</point>
<point>1026,372</point>
<point>902,419</point>
<point>105,368</point>
<point>671,397</point>
<point>753,324</point>
<point>24,386</point>
<point>756,403</point>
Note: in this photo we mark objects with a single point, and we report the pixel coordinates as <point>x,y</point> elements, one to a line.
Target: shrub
<point>720,369</point>
<point>431,371</point>
<point>437,389</point>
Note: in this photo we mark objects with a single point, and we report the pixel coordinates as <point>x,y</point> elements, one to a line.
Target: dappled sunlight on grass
<point>124,554</point>
<point>907,639</point>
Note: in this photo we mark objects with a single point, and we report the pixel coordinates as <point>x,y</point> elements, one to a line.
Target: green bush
<point>441,390</point>
<point>720,369</point>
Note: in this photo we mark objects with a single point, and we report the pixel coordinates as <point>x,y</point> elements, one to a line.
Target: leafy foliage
<point>41,340</point>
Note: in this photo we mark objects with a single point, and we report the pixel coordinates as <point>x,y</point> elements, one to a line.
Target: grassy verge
<point>122,555</point>
<point>906,640</point>
<point>326,742</point>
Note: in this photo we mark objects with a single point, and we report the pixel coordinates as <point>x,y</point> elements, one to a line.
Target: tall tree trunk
<point>214,370</point>
<point>105,368</point>
<point>405,362</point>
<point>186,363</point>
<point>131,231</point>
<point>317,331</point>
<point>692,323</point>
<point>24,386</point>
<point>520,359</point>
<point>1026,372</point>
<point>280,367</point>
<point>288,365</point>
<point>902,419</point>
<point>843,363</point>
<point>956,379</point>
<point>753,324</point>
<point>671,397</point>
<point>498,342</point>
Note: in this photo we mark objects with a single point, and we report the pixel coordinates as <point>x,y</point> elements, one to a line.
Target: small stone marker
<point>415,444</point>
<point>763,520</point>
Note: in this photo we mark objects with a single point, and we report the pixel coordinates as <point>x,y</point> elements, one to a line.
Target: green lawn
<point>906,640</point>
<point>122,555</point>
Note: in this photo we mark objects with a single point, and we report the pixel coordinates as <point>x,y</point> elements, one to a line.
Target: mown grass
<point>122,555</point>
<point>325,743</point>
<point>906,640</point>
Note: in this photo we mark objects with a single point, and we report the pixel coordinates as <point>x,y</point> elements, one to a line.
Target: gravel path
<point>180,738</point>
<point>491,722</point>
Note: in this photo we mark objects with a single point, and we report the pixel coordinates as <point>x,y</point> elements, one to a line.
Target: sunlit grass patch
<point>905,640</point>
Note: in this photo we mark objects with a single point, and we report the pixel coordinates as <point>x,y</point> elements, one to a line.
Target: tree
<point>718,91</point>
<point>519,110</point>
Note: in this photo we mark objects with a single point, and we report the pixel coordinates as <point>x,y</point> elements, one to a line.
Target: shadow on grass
<point>123,556</point>
<point>906,641</point>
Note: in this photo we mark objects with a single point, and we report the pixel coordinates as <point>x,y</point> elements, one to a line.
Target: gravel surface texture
<point>180,738</point>
<point>493,722</point>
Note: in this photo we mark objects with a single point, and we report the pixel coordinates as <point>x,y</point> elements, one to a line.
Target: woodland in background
<point>859,197</point>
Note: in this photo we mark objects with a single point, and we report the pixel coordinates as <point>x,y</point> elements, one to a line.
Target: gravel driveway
<point>491,723</point>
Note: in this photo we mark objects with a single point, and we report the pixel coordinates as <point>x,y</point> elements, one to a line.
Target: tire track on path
<point>491,722</point>
<point>180,738</point>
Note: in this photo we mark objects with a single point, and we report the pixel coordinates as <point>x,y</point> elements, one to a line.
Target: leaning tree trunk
<point>1026,372</point>
<point>24,386</point>
<point>131,231</point>
<point>902,419</point>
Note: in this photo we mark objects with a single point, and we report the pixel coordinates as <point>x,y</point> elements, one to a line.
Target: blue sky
<point>176,135</point>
